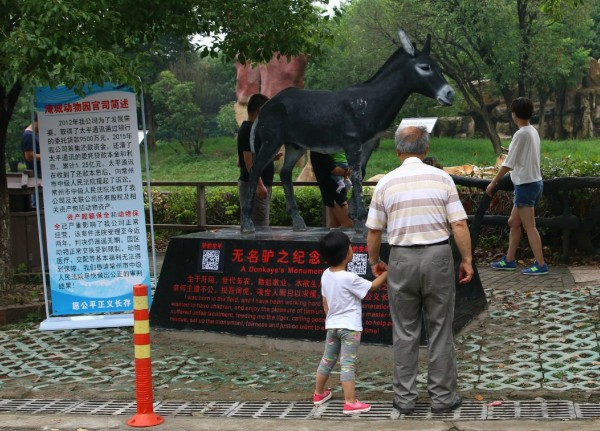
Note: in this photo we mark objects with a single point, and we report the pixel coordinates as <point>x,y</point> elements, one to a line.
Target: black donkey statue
<point>344,120</point>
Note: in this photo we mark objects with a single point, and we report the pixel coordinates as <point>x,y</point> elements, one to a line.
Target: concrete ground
<point>83,423</point>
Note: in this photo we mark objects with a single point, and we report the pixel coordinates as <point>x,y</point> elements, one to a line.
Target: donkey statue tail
<point>253,137</point>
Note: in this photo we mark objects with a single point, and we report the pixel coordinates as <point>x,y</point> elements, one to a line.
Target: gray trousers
<point>421,280</point>
<point>260,207</point>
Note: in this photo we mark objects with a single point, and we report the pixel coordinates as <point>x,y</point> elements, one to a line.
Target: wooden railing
<point>558,188</point>
<point>201,187</point>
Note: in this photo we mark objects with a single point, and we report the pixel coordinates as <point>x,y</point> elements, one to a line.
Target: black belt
<point>422,245</point>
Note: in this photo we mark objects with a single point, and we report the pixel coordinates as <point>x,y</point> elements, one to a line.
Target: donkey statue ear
<point>406,44</point>
<point>427,46</point>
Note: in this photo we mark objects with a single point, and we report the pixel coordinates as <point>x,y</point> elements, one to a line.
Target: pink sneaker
<point>319,399</point>
<point>356,408</point>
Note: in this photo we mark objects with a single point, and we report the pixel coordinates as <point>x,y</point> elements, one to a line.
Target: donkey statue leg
<point>367,149</point>
<point>246,222</point>
<point>356,210</point>
<point>292,155</point>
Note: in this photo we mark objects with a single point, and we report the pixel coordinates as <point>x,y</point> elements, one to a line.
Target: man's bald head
<point>412,140</point>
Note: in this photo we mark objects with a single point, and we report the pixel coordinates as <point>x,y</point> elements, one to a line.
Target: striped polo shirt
<point>416,202</point>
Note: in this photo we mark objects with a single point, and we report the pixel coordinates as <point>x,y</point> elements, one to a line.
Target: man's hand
<point>465,272</point>
<point>379,268</point>
<point>261,191</point>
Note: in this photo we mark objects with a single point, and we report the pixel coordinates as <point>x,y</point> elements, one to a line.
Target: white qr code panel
<point>210,260</point>
<point>358,264</point>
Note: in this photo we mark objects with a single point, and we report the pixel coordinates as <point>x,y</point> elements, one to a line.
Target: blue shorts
<point>528,195</point>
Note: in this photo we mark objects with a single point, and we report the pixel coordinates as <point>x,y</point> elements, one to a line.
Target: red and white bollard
<point>145,416</point>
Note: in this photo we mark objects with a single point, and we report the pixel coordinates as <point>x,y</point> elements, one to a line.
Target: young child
<point>343,182</point>
<point>342,293</point>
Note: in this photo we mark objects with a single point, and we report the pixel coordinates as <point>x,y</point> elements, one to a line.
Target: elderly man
<point>420,207</point>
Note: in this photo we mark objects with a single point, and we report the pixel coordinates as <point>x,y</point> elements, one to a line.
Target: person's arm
<point>373,247</point>
<point>338,170</point>
<point>27,147</point>
<point>491,186</point>
<point>28,155</point>
<point>462,238</point>
<point>261,190</point>
<point>379,281</point>
<point>325,306</point>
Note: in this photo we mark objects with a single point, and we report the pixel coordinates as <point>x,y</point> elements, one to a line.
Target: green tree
<point>214,81</point>
<point>594,43</point>
<point>21,118</point>
<point>226,119</point>
<point>75,42</point>
<point>166,51</point>
<point>177,115</point>
<point>489,46</point>
<point>364,37</point>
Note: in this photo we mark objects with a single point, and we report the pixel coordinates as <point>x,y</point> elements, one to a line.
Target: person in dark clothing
<point>27,147</point>
<point>336,203</point>
<point>32,155</point>
<point>262,198</point>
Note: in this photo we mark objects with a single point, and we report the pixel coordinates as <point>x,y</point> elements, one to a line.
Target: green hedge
<point>178,206</point>
<point>223,208</point>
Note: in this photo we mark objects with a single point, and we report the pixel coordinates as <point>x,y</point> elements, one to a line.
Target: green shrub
<point>172,207</point>
<point>223,208</point>
<point>569,167</point>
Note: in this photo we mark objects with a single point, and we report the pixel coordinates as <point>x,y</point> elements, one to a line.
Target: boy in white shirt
<point>523,162</point>
<point>342,293</point>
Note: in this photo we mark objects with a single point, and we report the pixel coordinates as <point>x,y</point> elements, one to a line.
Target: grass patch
<point>218,162</point>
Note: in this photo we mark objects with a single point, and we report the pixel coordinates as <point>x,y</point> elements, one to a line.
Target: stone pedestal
<point>268,283</point>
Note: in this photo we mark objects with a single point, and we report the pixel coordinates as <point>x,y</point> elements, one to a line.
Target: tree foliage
<point>487,47</point>
<point>177,115</point>
<point>226,119</point>
<point>364,37</point>
<point>214,80</point>
<point>77,42</point>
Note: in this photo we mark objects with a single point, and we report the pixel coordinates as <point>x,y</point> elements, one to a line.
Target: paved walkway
<point>536,349</point>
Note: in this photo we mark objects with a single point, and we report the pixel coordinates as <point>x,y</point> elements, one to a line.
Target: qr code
<point>358,264</point>
<point>210,260</point>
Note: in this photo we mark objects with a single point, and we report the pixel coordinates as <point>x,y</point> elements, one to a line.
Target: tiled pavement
<point>560,278</point>
<point>538,337</point>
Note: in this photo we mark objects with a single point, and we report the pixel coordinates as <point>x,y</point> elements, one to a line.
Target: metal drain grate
<point>533,410</point>
<point>209,408</point>
<point>37,406</point>
<point>105,408</point>
<point>470,410</point>
<point>273,410</point>
<point>587,411</point>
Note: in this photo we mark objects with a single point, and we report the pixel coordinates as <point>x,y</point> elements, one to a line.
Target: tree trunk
<point>8,101</point>
<point>542,114</point>
<point>150,123</point>
<point>484,120</point>
<point>508,96</point>
<point>6,271</point>
<point>557,132</point>
<point>492,134</point>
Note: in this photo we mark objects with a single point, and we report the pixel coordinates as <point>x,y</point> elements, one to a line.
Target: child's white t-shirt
<point>344,292</point>
<point>524,156</point>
